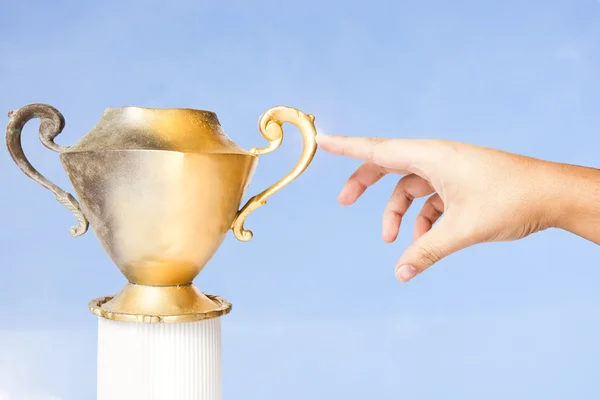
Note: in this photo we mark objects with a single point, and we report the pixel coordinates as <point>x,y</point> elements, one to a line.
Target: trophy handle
<point>51,124</point>
<point>270,126</point>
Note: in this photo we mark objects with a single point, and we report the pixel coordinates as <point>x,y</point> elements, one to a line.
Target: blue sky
<point>317,310</point>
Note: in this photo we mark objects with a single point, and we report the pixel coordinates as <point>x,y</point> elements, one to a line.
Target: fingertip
<point>405,273</point>
<point>417,234</point>
<point>327,142</point>
<point>389,238</point>
<point>343,200</point>
<point>343,197</point>
<point>321,137</point>
<point>390,226</point>
<point>347,199</point>
<point>351,191</point>
<point>324,142</point>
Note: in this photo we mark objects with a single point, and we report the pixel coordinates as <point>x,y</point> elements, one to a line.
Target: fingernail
<point>404,273</point>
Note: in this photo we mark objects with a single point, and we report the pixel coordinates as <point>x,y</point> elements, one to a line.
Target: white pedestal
<point>159,361</point>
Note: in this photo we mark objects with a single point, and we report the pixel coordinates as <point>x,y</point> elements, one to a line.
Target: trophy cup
<point>161,188</point>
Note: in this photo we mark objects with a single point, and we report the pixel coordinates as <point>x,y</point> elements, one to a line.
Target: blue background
<point>317,310</point>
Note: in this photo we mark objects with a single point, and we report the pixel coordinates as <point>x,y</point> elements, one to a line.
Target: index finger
<point>399,154</point>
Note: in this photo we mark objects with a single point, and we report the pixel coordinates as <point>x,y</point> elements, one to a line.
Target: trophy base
<point>160,304</point>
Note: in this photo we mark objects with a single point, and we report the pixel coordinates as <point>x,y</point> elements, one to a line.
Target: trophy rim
<point>161,109</point>
<point>100,151</point>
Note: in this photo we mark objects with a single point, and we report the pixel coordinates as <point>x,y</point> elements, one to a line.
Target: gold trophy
<point>161,188</point>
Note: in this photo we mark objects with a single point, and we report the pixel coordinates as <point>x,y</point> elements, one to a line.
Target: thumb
<point>439,242</point>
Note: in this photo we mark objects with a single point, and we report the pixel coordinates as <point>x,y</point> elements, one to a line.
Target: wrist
<point>574,200</point>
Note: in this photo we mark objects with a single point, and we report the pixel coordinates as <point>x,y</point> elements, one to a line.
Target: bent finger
<point>366,175</point>
<point>432,210</point>
<point>408,188</point>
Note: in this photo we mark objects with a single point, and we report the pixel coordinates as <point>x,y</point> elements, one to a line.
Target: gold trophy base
<point>160,304</point>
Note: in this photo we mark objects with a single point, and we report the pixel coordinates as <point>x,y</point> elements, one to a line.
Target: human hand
<point>476,194</point>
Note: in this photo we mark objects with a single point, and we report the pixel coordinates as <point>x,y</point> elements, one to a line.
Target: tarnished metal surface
<point>51,125</point>
<point>160,215</point>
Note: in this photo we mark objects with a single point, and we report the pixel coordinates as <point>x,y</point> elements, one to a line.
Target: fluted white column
<point>159,361</point>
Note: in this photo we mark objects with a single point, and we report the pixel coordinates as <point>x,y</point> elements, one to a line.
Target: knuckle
<point>407,194</point>
<point>429,255</point>
<point>437,204</point>
<point>445,150</point>
<point>343,151</point>
<point>376,147</point>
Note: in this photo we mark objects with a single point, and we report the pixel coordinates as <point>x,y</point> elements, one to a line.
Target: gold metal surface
<point>160,215</point>
<point>160,188</point>
<point>155,304</point>
<point>176,129</point>
<point>270,126</point>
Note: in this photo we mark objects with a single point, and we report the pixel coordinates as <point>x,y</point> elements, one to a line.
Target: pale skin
<point>474,194</point>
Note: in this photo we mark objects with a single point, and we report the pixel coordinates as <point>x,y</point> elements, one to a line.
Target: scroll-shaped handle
<point>51,124</point>
<point>270,126</point>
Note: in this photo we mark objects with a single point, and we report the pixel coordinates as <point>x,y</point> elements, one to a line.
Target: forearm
<point>577,200</point>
